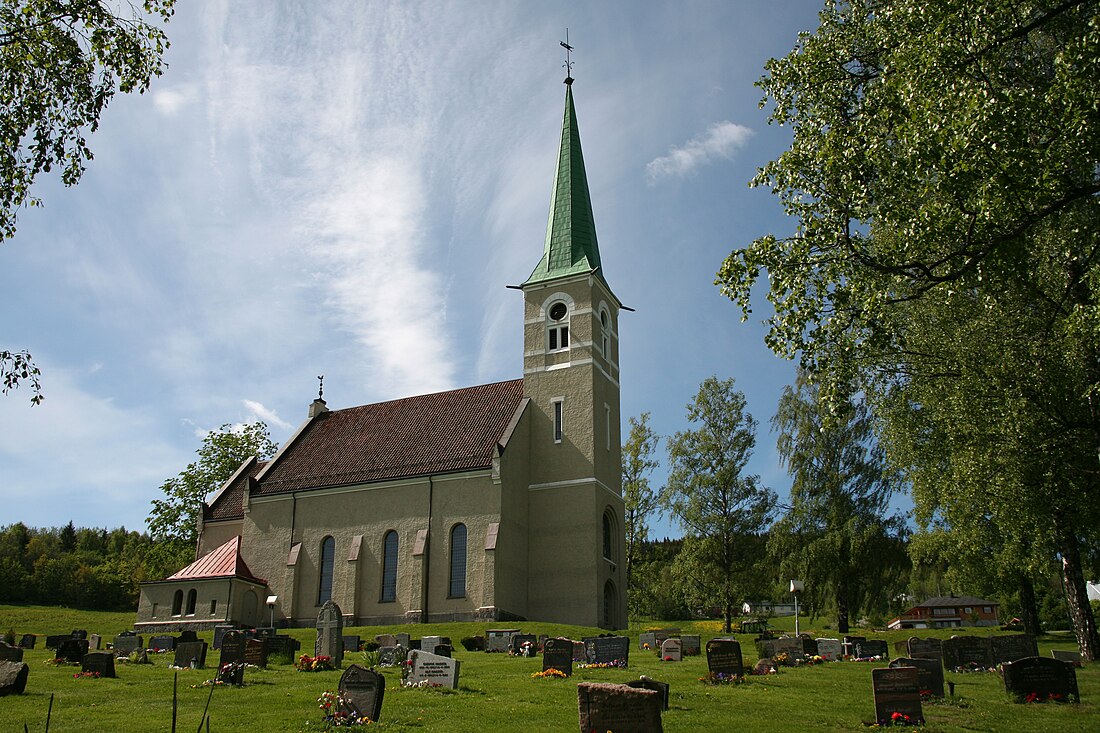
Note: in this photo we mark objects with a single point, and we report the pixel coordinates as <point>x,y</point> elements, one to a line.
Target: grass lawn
<point>496,692</point>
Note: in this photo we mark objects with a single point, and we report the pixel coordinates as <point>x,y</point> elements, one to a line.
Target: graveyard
<point>501,691</point>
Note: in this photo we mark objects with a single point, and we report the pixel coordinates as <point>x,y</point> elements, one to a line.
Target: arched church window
<point>557,329</point>
<point>458,562</point>
<point>610,601</point>
<point>389,567</point>
<point>608,531</point>
<point>328,558</point>
<point>177,603</point>
<point>192,598</point>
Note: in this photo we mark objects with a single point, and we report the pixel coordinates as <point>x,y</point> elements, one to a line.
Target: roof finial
<point>568,65</point>
<point>321,387</point>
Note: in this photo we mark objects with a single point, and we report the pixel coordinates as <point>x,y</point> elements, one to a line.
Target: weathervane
<point>321,386</point>
<point>568,65</point>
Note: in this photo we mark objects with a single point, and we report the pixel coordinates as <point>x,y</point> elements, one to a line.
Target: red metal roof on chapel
<point>223,562</point>
<point>424,435</point>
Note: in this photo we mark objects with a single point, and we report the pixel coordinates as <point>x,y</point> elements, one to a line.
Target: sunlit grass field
<point>497,693</point>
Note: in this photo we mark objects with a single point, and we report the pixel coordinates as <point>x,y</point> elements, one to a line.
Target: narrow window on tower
<point>605,341</point>
<point>607,424</point>
<point>557,329</point>
<point>559,427</point>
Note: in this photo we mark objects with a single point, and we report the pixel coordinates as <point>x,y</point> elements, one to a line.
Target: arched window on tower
<point>605,334</point>
<point>389,567</point>
<point>458,562</point>
<point>192,598</point>
<point>328,558</point>
<point>557,327</point>
<point>608,536</point>
<point>177,603</point>
<point>610,603</point>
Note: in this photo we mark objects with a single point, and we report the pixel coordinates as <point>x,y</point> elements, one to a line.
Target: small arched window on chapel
<point>389,567</point>
<point>177,603</point>
<point>557,328</point>
<point>328,558</point>
<point>192,598</point>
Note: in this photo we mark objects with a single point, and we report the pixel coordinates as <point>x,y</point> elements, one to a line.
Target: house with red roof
<point>498,502</point>
<point>944,612</point>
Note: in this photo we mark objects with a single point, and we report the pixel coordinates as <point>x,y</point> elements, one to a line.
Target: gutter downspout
<point>427,556</point>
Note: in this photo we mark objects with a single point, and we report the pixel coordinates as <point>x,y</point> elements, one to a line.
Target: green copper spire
<point>570,246</point>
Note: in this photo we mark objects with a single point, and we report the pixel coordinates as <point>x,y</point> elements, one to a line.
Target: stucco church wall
<point>162,594</point>
<point>215,534</point>
<point>511,555</point>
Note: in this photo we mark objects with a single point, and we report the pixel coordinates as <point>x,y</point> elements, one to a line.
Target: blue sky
<point>346,189</point>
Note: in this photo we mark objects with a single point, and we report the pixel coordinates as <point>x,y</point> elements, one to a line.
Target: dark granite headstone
<point>72,650</point>
<point>232,651</point>
<point>896,691</point>
<point>648,683</point>
<point>187,635</point>
<point>1041,679</point>
<point>191,651</point>
<point>871,648</point>
<point>28,641</point>
<point>518,645</point>
<point>219,633</point>
<point>53,640</point>
<point>330,632</point>
<point>967,651</point>
<point>163,643</point>
<point>929,674</point>
<point>231,674</point>
<point>1012,648</point>
<point>692,644</point>
<point>444,650</point>
<point>724,657</point>
<point>13,678</point>
<point>809,645</point>
<point>285,646</point>
<point>101,662</point>
<point>607,649</point>
<point>474,643</point>
<point>607,707</point>
<point>1073,658</point>
<point>255,652</point>
<point>10,653</point>
<point>351,643</point>
<point>125,644</point>
<point>363,689</point>
<point>80,633</point>
<point>557,654</point>
<point>926,648</point>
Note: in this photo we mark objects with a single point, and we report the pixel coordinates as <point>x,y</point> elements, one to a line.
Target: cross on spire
<point>568,65</point>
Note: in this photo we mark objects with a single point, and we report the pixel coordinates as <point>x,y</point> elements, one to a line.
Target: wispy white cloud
<point>266,414</point>
<point>721,140</point>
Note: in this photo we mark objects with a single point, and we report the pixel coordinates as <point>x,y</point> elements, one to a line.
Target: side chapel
<point>500,502</point>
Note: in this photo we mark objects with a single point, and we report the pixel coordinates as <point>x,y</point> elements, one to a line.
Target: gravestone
<point>231,673</point>
<point>385,640</point>
<point>967,651</point>
<point>929,673</point>
<point>1041,679</point>
<point>783,645</point>
<point>724,657</point>
<point>647,641</point>
<point>284,646</point>
<point>388,656</point>
<point>255,652</point>
<point>362,690</point>
<point>80,633</point>
<point>1012,648</point>
<point>691,644</point>
<point>518,649</point>
<point>444,650</point>
<point>542,641</point>
<point>429,643</point>
<point>499,640</point>
<point>72,650</point>
<point>474,643</point>
<point>765,666</point>
<point>13,678</point>
<point>930,648</point>
<point>126,644</point>
<point>10,653</point>
<point>53,640</point>
<point>557,654</point>
<point>660,635</point>
<point>809,645</point>
<point>672,650</point>
<point>871,648</point>
<point>403,639</point>
<point>219,633</point>
<point>849,643</point>
<point>607,649</point>
<point>94,642</point>
<point>830,649</point>
<point>163,643</point>
<point>896,691</point>
<point>351,643</point>
<point>648,683</point>
<point>187,635</point>
<point>330,630</point>
<point>232,650</point>
<point>1073,658</point>
<point>436,670</point>
<point>101,662</point>
<point>606,707</point>
<point>414,644</point>
<point>901,648</point>
<point>28,641</point>
<point>580,652</point>
<point>190,651</point>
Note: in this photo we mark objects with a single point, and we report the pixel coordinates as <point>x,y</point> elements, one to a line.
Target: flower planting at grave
<point>613,664</point>
<point>1052,697</point>
<point>716,679</point>
<point>320,663</point>
<point>86,676</point>
<point>549,674</point>
<point>334,708</point>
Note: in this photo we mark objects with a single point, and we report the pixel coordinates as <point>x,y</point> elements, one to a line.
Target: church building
<point>499,502</point>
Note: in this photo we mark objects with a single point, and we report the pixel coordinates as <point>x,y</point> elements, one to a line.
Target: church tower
<point>571,377</point>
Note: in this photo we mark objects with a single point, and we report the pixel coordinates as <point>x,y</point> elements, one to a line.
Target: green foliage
<point>837,535</point>
<point>16,367</point>
<point>719,507</point>
<point>174,519</point>
<point>639,499</point>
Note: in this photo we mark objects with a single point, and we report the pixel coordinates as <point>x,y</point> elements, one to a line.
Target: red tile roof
<point>223,562</point>
<point>229,502</point>
<point>416,436</point>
